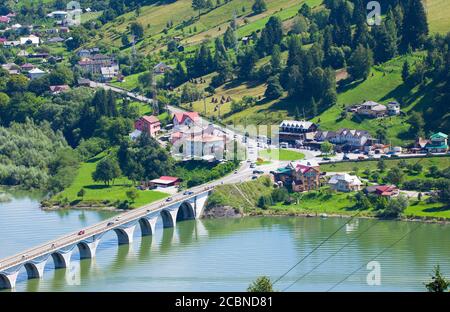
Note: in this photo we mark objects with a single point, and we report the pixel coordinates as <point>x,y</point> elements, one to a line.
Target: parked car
<point>81,232</point>
<point>346,157</point>
<point>235,171</point>
<point>169,199</point>
<point>110,223</point>
<point>258,172</point>
<point>252,165</point>
<point>254,177</point>
<point>188,193</point>
<point>326,158</point>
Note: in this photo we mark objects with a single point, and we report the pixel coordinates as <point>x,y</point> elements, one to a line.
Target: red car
<point>81,232</point>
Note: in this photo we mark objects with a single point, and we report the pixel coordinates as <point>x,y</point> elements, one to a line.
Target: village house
<point>393,109</point>
<point>185,119</point>
<point>345,183</point>
<point>161,68</point>
<point>382,190</point>
<point>148,124</point>
<point>372,109</point>
<point>30,40</point>
<point>27,67</point>
<point>164,182</point>
<point>350,139</point>
<point>4,20</point>
<point>109,72</point>
<point>58,15</point>
<point>438,143</point>
<point>55,40</point>
<point>10,44</point>
<point>58,89</point>
<point>36,73</point>
<point>301,176</point>
<point>95,64</point>
<point>11,68</point>
<point>204,147</point>
<point>293,131</point>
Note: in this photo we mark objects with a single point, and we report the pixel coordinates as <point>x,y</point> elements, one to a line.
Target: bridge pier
<point>62,259</point>
<point>8,280</point>
<point>125,235</point>
<point>148,225</point>
<point>35,270</point>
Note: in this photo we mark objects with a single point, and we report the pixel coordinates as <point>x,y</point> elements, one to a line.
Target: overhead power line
<point>379,254</point>
<point>315,248</point>
<point>335,253</point>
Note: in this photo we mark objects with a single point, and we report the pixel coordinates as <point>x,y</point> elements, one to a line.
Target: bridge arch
<point>125,235</point>
<point>61,260</point>
<point>86,251</point>
<point>33,270</point>
<point>5,283</point>
<point>167,219</point>
<point>146,227</point>
<point>185,212</point>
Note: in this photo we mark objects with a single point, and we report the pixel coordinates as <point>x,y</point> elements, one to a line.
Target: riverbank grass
<point>98,193</point>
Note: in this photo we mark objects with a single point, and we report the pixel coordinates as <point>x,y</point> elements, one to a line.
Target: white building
<point>393,108</point>
<point>204,147</point>
<point>345,183</point>
<point>30,40</point>
<point>353,138</point>
<point>36,73</point>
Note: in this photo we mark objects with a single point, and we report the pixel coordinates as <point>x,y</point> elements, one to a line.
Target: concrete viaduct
<point>180,208</point>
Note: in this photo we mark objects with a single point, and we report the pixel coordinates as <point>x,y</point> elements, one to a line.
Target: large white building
<point>345,183</point>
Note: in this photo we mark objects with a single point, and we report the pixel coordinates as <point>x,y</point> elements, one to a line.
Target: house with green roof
<point>438,143</point>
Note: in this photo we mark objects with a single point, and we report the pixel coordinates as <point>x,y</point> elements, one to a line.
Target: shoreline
<point>427,220</point>
<point>265,213</point>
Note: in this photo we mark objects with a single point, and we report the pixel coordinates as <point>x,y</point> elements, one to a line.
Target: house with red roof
<point>27,67</point>
<point>149,124</point>
<point>59,89</point>
<point>185,119</point>
<point>382,190</point>
<point>164,182</point>
<point>4,19</point>
<point>302,176</point>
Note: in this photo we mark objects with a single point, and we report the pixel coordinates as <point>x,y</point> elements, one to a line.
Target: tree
<point>417,124</point>
<point>360,63</point>
<point>137,30</point>
<point>381,165</point>
<point>229,39</point>
<point>81,193</point>
<point>438,282</point>
<point>106,170</point>
<point>274,89</point>
<point>275,61</point>
<point>395,176</point>
<point>125,40</point>
<point>415,25</point>
<point>396,206</point>
<point>17,83</point>
<point>259,6</point>
<point>262,284</point>
<point>406,72</point>
<point>132,194</point>
<point>198,5</point>
<point>326,148</point>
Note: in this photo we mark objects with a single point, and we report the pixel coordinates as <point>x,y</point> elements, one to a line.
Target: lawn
<point>438,15</point>
<point>426,162</point>
<point>280,154</point>
<point>98,192</point>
